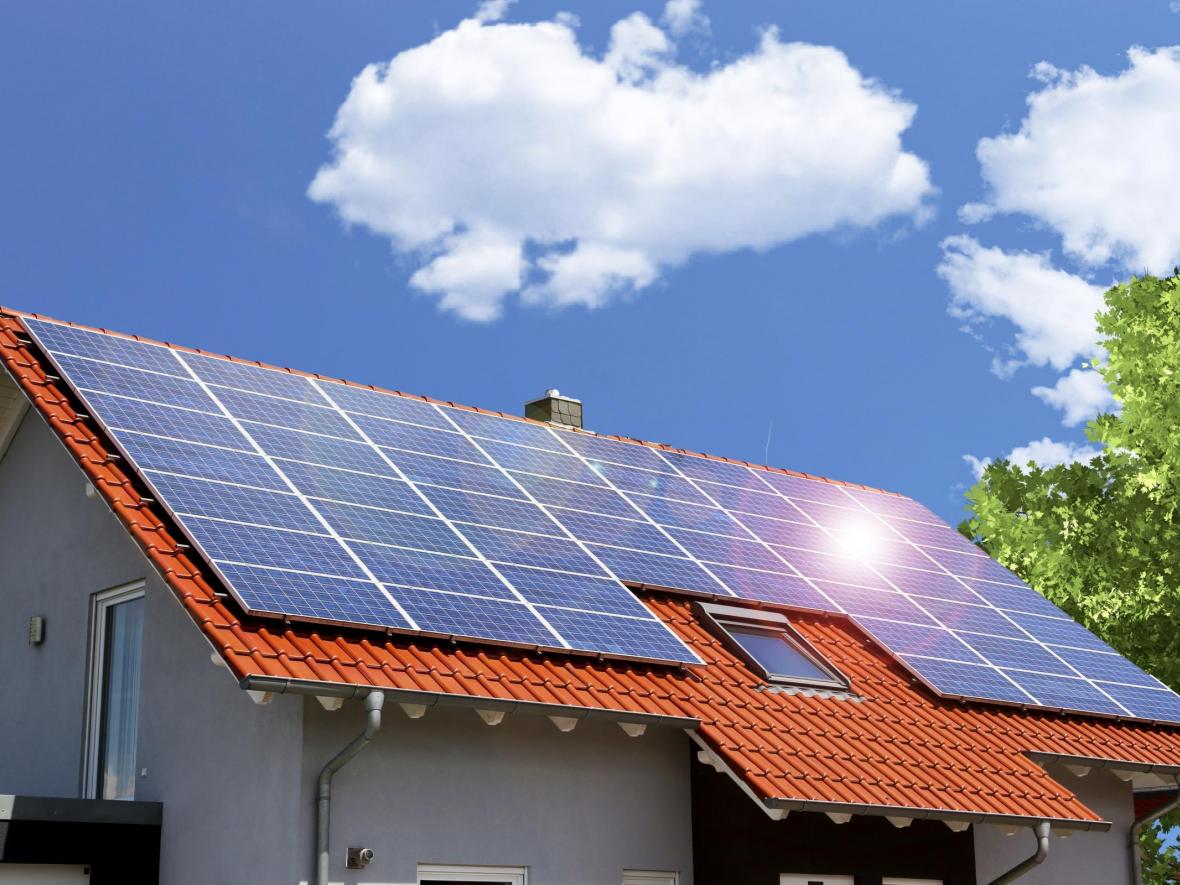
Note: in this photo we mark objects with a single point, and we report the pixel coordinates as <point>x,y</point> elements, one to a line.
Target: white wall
<point>1084,858</point>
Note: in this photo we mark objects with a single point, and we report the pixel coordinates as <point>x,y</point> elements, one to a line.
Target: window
<point>766,641</point>
<point>650,877</point>
<point>113,709</point>
<point>436,874</point>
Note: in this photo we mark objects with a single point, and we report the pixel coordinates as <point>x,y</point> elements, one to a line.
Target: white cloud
<point>682,16</point>
<point>1095,160</point>
<point>581,178</point>
<point>1043,452</point>
<point>1081,395</point>
<point>1053,311</point>
<point>492,10</point>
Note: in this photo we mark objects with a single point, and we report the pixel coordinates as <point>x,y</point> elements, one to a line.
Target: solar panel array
<point>321,500</point>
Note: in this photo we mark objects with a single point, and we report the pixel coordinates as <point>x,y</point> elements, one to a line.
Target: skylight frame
<point>722,617</point>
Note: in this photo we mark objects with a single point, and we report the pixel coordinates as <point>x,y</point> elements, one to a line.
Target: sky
<point>862,240</point>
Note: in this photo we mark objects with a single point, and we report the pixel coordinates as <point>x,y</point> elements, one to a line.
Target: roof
<point>893,748</point>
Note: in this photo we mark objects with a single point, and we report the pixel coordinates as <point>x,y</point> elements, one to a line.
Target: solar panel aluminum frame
<point>717,617</point>
<point>176,527</point>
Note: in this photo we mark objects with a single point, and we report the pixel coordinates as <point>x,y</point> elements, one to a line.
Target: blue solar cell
<point>251,545</point>
<point>433,571</point>
<point>923,583</point>
<point>298,594</point>
<point>1021,599</point>
<point>386,527</point>
<point>412,438</point>
<point>451,614</point>
<point>108,378</point>
<point>976,618</point>
<point>244,376</point>
<point>455,474</point>
<point>616,532</point>
<point>907,639</point>
<point>551,464</point>
<point>729,551</point>
<point>503,513</point>
<point>286,413</point>
<point>120,413</point>
<point>830,567</point>
<point>893,505</point>
<point>722,472</point>
<point>770,587</point>
<point>642,638</point>
<point>596,499</point>
<point>156,453</point>
<point>1105,667</point>
<point>312,448</point>
<point>354,488</point>
<point>501,545</point>
<point>505,430</point>
<point>1059,631</point>
<point>800,489</point>
<point>227,501</point>
<point>968,566</point>
<point>884,604</point>
<point>1064,692</point>
<point>845,517</point>
<point>1018,654</point>
<point>657,571</point>
<point>576,591</point>
<point>748,501</point>
<point>689,516</point>
<point>930,535</point>
<point>601,449</point>
<point>57,338</point>
<point>1145,702</point>
<point>900,553</point>
<point>645,482</point>
<point>362,401</point>
<point>791,534</point>
<point>966,680</point>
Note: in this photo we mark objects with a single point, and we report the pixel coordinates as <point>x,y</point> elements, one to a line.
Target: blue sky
<point>158,158</point>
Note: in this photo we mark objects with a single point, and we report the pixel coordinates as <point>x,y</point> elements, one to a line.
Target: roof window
<point>766,641</point>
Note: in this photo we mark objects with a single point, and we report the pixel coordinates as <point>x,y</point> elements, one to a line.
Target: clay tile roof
<point>889,745</point>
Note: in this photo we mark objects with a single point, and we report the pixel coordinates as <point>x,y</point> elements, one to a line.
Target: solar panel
<point>335,502</point>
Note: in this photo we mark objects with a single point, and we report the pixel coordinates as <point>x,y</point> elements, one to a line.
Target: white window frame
<point>434,872</point>
<point>100,604</point>
<point>656,877</point>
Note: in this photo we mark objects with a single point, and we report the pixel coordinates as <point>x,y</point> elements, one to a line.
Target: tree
<point>1102,539</point>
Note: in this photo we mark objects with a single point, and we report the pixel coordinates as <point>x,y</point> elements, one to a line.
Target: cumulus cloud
<point>682,16</point>
<point>1094,160</point>
<point>1081,395</point>
<point>1052,311</point>
<point>506,160</point>
<point>492,10</point>
<point>1042,452</point>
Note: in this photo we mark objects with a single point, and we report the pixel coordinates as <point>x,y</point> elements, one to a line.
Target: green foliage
<point>1102,540</point>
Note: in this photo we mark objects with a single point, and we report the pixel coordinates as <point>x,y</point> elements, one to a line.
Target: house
<point>265,627</point>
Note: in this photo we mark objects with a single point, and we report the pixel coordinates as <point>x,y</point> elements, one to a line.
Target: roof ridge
<point>16,312</point>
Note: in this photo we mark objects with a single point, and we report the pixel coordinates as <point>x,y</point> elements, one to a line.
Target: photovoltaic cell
<point>958,619</point>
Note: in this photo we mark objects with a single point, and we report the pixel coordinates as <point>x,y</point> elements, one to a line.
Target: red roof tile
<point>895,746</point>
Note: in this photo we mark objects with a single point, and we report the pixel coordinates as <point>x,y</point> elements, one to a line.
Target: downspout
<point>1041,831</point>
<point>1137,828</point>
<point>374,700</point>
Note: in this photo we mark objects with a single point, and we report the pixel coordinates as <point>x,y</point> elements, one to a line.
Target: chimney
<point>555,408</point>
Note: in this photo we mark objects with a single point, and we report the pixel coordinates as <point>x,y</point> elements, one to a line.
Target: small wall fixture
<point>36,630</point>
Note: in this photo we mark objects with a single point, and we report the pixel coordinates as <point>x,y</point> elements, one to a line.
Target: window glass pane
<point>120,699</point>
<point>776,653</point>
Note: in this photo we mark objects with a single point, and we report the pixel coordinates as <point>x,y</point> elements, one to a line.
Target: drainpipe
<point>1041,830</point>
<point>374,700</point>
<point>1137,828</point>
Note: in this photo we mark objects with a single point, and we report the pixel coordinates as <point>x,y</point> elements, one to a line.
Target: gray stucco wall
<point>237,779</point>
<point>1084,858</point>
